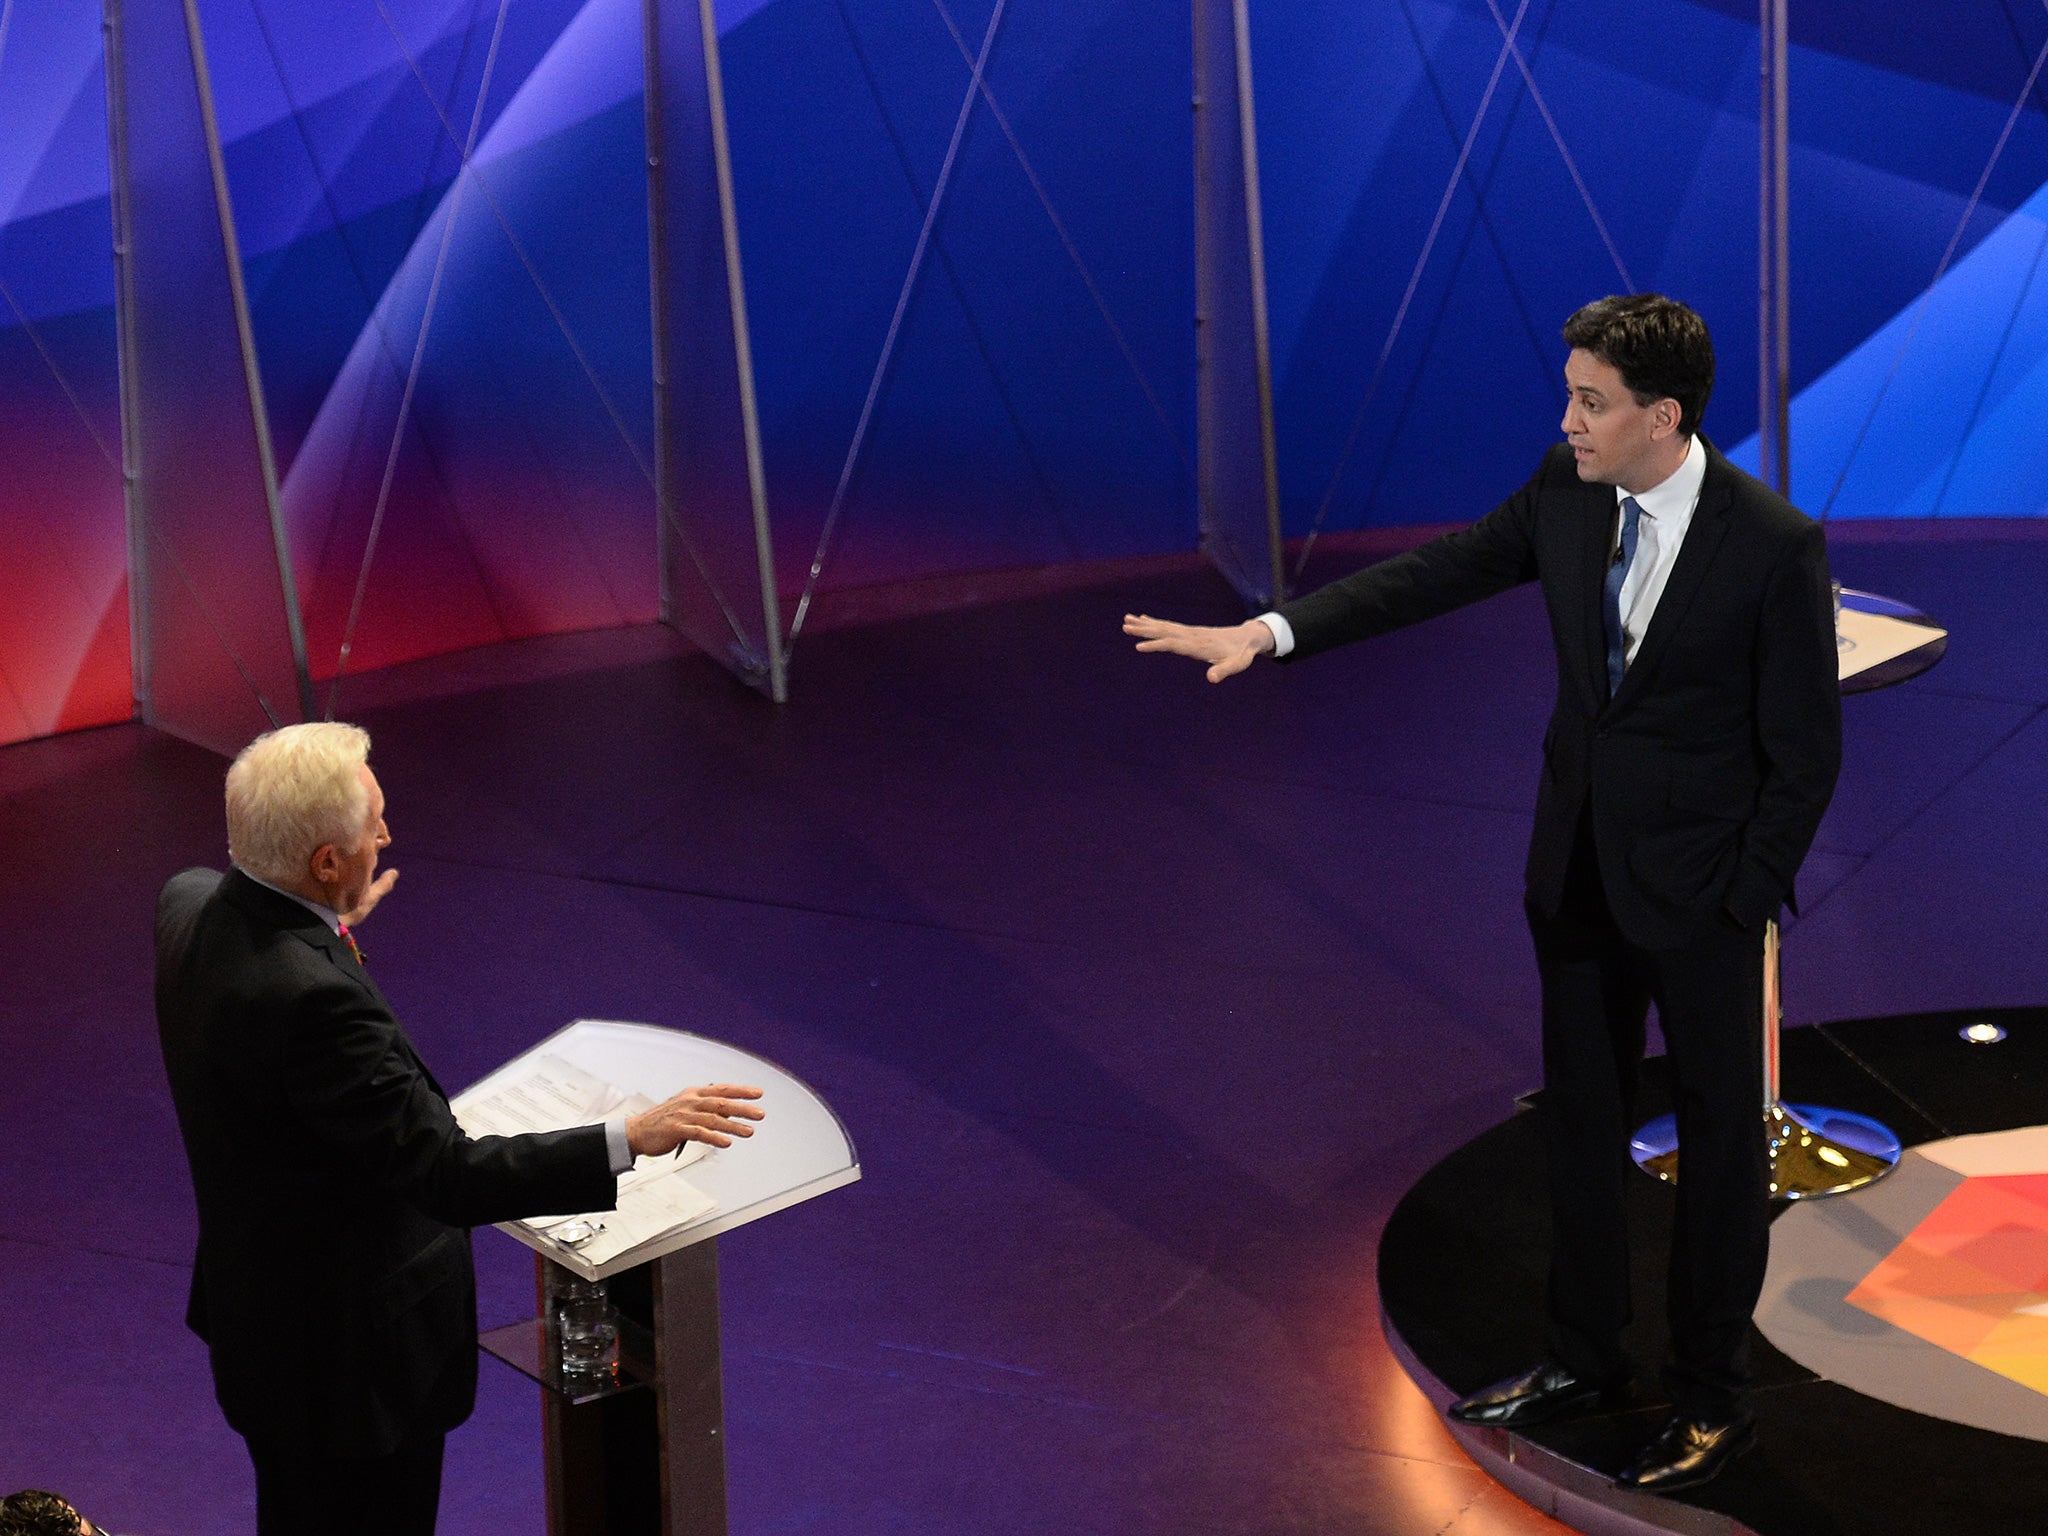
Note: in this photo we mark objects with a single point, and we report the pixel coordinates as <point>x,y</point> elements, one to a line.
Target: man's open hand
<point>714,1115</point>
<point>1228,649</point>
<point>379,889</point>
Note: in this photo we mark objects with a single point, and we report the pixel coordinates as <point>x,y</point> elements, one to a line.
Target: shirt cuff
<point>1283,633</point>
<point>615,1143</point>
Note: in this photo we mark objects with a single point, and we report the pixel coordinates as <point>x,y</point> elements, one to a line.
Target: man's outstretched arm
<point>1228,649</point>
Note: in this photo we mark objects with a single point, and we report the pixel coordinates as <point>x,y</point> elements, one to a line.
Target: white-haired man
<point>333,1282</point>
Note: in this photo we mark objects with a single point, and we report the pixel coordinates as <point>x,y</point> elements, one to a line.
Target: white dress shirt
<point>1667,513</point>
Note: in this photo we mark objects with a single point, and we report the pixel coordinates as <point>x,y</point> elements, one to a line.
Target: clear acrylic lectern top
<point>797,1151</point>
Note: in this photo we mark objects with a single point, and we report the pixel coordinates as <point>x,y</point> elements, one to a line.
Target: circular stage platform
<point>1928,1289</point>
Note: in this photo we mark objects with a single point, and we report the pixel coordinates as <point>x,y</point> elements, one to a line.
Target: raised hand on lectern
<point>1228,648</point>
<point>713,1115</point>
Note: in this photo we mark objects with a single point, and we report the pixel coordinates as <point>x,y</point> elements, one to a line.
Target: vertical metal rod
<point>1255,240</point>
<point>1774,1015</point>
<point>1774,259</point>
<point>743,352</point>
<point>1230,307</point>
<point>1205,218</point>
<point>140,658</point>
<point>288,588</point>
<point>657,277</point>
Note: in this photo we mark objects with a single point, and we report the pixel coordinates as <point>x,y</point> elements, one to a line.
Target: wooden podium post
<point>643,1453</point>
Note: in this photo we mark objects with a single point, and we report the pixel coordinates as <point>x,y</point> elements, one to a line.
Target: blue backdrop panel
<point>343,124</point>
<point>1363,111</point>
<point>215,657</point>
<point>1939,413</point>
<point>479,467</point>
<point>1038,405</point>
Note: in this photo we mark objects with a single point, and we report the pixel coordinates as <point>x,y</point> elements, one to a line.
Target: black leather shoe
<point>1687,1452</point>
<point>1548,1393</point>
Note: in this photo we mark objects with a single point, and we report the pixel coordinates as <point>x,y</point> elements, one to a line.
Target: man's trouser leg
<point>1594,1003</point>
<point>395,1495</point>
<point>1710,1004</point>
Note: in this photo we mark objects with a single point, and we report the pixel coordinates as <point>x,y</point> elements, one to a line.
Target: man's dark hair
<point>1659,347</point>
<point>33,1512</point>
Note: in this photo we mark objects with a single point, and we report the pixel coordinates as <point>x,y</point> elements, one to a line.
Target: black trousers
<point>1597,988</point>
<point>395,1495</point>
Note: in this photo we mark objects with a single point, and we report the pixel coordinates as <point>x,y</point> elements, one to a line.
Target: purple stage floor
<point>1143,1000</point>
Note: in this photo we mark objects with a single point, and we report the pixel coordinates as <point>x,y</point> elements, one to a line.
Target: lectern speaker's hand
<point>714,1114</point>
<point>378,890</point>
<point>1228,649</point>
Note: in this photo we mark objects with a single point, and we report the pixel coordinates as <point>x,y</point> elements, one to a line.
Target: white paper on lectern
<point>798,1152</point>
<point>545,1094</point>
<point>1865,640</point>
<point>550,1094</point>
<point>645,1174</point>
<point>647,1212</point>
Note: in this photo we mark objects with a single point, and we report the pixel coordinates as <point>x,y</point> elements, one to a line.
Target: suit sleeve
<point>1799,728</point>
<point>353,1086</point>
<point>1494,554</point>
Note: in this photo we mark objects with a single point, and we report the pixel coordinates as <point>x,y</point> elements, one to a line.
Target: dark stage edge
<point>1461,1271</point>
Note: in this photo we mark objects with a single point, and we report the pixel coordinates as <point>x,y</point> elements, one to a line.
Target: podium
<point>637,1448</point>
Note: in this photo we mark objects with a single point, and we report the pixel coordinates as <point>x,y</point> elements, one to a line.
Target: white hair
<point>293,790</point>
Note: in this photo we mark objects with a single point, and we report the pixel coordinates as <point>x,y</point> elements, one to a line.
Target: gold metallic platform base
<point>1814,1151</point>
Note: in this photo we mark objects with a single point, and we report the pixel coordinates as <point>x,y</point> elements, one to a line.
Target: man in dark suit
<point>1691,753</point>
<point>333,1283</point>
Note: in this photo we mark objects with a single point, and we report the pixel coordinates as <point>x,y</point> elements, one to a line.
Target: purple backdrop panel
<point>1237,491</point>
<point>214,616</point>
<point>716,585</point>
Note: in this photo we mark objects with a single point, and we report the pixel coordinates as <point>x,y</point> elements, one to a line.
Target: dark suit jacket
<point>333,1282</point>
<point>1710,768</point>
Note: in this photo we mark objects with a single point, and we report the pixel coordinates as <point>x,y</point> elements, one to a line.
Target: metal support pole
<point>1255,246</point>
<point>657,277</point>
<point>116,57</point>
<point>1238,501</point>
<point>245,335</point>
<point>1774,256</point>
<point>750,420</point>
<point>707,430</point>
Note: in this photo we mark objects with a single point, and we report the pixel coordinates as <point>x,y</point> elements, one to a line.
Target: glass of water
<point>588,1326</point>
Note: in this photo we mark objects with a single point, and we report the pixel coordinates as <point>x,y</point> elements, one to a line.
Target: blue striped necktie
<point>1617,573</point>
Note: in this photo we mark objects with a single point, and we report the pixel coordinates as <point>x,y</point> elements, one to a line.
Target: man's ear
<point>1665,416</point>
<point>325,864</point>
